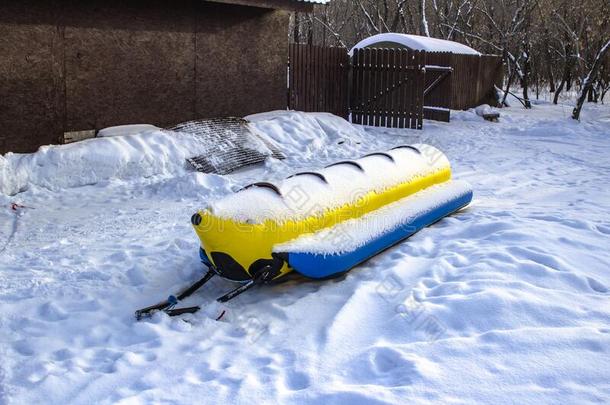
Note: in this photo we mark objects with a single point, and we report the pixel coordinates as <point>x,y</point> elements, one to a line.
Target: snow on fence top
<point>415,42</point>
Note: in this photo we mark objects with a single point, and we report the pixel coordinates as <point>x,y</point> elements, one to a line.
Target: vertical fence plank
<point>310,61</point>
<point>374,120</point>
<point>402,85</point>
<point>355,86</point>
<point>330,85</point>
<point>366,85</point>
<point>317,79</point>
<point>410,90</point>
<point>414,77</point>
<point>372,86</point>
<point>419,89</point>
<point>421,81</point>
<point>381,92</point>
<point>344,73</point>
<point>357,89</point>
<point>388,89</point>
<point>303,60</point>
<point>393,83</point>
<point>378,87</point>
<point>375,87</point>
<point>290,76</point>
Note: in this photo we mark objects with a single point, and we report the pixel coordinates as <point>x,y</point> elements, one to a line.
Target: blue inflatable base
<point>317,266</point>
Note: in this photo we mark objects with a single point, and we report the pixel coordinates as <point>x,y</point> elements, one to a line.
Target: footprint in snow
<point>295,380</point>
<point>136,276</point>
<point>63,354</point>
<point>603,229</point>
<point>382,366</point>
<point>24,347</point>
<point>51,312</point>
<point>597,286</point>
<point>201,374</point>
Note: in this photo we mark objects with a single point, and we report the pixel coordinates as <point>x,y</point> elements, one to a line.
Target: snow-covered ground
<point>505,302</point>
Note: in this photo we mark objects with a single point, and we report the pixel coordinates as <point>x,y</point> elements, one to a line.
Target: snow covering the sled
<point>352,234</point>
<point>306,196</point>
<point>416,42</point>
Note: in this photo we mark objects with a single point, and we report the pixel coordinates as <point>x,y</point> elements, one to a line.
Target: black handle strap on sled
<point>171,301</point>
<point>264,275</point>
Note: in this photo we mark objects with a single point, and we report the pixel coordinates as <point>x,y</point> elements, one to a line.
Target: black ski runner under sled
<point>169,305</point>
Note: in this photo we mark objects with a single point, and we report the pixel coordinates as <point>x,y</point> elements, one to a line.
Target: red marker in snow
<point>15,206</point>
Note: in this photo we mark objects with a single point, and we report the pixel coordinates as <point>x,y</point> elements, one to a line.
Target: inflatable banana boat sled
<point>322,223</point>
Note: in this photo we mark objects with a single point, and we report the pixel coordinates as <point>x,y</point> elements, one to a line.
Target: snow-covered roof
<point>416,42</point>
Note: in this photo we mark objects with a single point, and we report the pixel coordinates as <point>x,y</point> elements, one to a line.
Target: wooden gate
<point>317,79</point>
<point>438,92</point>
<point>387,87</point>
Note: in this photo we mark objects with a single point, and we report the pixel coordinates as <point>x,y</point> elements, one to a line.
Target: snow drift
<point>124,155</point>
<point>505,303</point>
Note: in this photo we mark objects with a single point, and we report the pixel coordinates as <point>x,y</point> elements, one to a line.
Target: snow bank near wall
<point>155,152</point>
<point>305,133</point>
<point>94,160</point>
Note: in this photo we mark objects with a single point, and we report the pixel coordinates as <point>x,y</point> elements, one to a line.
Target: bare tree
<point>424,22</point>
<point>545,44</point>
<point>588,81</point>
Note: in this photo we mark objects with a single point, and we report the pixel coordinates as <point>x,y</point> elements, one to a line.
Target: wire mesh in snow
<point>229,144</point>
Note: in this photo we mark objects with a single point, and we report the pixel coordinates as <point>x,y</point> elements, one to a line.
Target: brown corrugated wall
<point>79,65</point>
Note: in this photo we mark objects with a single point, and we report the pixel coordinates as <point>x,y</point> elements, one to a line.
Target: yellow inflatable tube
<point>238,232</point>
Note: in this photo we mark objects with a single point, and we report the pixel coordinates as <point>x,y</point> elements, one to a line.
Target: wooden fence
<point>317,79</point>
<point>387,87</point>
<point>439,86</point>
<point>471,83</point>
<point>440,94</point>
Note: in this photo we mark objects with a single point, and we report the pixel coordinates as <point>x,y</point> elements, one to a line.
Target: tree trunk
<point>424,22</point>
<point>526,99</point>
<point>508,83</point>
<point>558,91</point>
<point>595,95</point>
<point>565,78</point>
<point>588,81</point>
<point>548,62</point>
<point>295,31</point>
<point>310,33</point>
<point>550,77</point>
<point>526,77</point>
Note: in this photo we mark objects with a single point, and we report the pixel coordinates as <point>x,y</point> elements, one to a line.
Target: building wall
<point>89,64</point>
